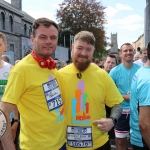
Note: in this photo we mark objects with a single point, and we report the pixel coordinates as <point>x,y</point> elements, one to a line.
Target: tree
<point>79,15</point>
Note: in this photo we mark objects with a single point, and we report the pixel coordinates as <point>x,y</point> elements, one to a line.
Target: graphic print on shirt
<point>80,106</point>
<point>53,98</point>
<point>3,82</point>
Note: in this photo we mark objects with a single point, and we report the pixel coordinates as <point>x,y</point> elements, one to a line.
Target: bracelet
<point>16,120</point>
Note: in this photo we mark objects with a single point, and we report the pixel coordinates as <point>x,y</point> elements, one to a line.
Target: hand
<point>104,124</point>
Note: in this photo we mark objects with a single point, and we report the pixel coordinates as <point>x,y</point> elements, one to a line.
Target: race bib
<point>79,137</point>
<point>52,94</point>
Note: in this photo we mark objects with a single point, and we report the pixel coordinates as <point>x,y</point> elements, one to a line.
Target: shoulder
<point>136,66</point>
<point>116,69</point>
<point>7,65</point>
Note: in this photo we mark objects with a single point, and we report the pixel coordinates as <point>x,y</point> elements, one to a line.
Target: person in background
<point>143,57</point>
<point>17,61</point>
<point>33,87</point>
<point>110,62</point>
<point>5,58</point>
<point>136,57</point>
<point>60,64</point>
<point>68,62</point>
<point>5,69</point>
<point>122,76</point>
<point>96,61</point>
<point>140,107</point>
<point>86,89</point>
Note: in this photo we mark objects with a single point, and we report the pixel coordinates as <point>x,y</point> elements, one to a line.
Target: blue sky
<point>125,17</point>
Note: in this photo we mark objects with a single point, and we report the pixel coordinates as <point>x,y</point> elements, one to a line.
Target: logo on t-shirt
<point>80,106</point>
<point>6,74</point>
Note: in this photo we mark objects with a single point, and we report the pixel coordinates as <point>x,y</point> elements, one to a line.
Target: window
<point>30,31</point>
<point>10,24</point>
<point>25,29</point>
<point>2,21</point>
<point>12,47</point>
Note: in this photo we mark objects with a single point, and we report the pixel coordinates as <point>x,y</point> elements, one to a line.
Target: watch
<point>114,120</point>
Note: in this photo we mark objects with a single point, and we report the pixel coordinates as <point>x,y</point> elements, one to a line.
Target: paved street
<point>113,146</point>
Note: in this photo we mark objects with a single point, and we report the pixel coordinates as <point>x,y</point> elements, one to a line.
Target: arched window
<point>30,31</point>
<point>2,21</point>
<point>25,29</point>
<point>10,24</point>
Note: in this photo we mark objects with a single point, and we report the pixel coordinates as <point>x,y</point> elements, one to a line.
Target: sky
<point>124,17</point>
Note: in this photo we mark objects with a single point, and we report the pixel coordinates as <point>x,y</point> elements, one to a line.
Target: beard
<point>81,66</point>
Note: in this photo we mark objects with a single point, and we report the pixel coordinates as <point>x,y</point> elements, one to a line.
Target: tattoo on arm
<point>116,111</point>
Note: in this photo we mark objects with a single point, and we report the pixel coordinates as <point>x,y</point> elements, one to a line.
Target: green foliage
<point>79,15</point>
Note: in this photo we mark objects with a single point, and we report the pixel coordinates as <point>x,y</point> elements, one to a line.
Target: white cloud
<point>110,22</point>
<point>123,7</point>
<point>129,19</point>
<point>130,23</point>
<point>131,27</point>
<point>55,6</point>
<point>110,11</point>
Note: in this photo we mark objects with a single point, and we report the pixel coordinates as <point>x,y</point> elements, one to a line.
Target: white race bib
<point>79,137</point>
<point>52,94</point>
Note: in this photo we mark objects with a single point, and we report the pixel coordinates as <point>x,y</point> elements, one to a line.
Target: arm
<point>15,124</point>
<point>7,139</point>
<point>144,123</point>
<point>105,124</point>
<point>116,111</point>
<point>126,97</point>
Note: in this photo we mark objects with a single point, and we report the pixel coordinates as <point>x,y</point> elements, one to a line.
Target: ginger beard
<point>81,65</point>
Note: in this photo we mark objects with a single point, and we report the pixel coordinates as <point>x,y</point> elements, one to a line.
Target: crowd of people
<point>78,104</point>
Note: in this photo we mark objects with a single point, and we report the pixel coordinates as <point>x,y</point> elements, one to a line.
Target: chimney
<point>17,4</point>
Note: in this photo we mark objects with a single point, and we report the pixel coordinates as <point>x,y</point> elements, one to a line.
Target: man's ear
<point>120,54</point>
<point>6,47</point>
<point>32,39</point>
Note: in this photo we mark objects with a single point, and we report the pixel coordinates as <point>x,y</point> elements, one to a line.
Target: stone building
<point>114,44</point>
<point>139,43</point>
<point>16,25</point>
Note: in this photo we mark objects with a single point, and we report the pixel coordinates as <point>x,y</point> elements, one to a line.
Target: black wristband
<point>16,120</point>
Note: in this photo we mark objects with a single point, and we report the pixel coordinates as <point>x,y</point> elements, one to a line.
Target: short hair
<point>68,61</point>
<point>125,44</point>
<point>111,56</point>
<point>142,49</point>
<point>85,36</point>
<point>43,21</point>
<point>3,37</point>
<point>5,58</point>
<point>148,51</point>
<point>60,64</point>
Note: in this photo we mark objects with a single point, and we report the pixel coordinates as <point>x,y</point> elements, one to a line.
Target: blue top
<point>122,77</point>
<point>140,96</point>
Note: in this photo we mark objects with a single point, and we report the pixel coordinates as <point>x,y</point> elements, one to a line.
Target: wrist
<point>114,120</point>
<point>16,120</point>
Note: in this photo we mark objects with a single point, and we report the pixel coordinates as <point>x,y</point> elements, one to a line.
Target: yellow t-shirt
<point>36,92</point>
<point>84,101</point>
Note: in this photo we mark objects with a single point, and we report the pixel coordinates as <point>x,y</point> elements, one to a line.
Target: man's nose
<point>84,52</point>
<point>48,40</point>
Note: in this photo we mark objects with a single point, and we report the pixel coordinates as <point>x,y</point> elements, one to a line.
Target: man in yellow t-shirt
<point>33,87</point>
<point>86,89</point>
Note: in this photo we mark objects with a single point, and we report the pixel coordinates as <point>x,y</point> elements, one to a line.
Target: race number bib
<point>52,94</point>
<point>79,137</point>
